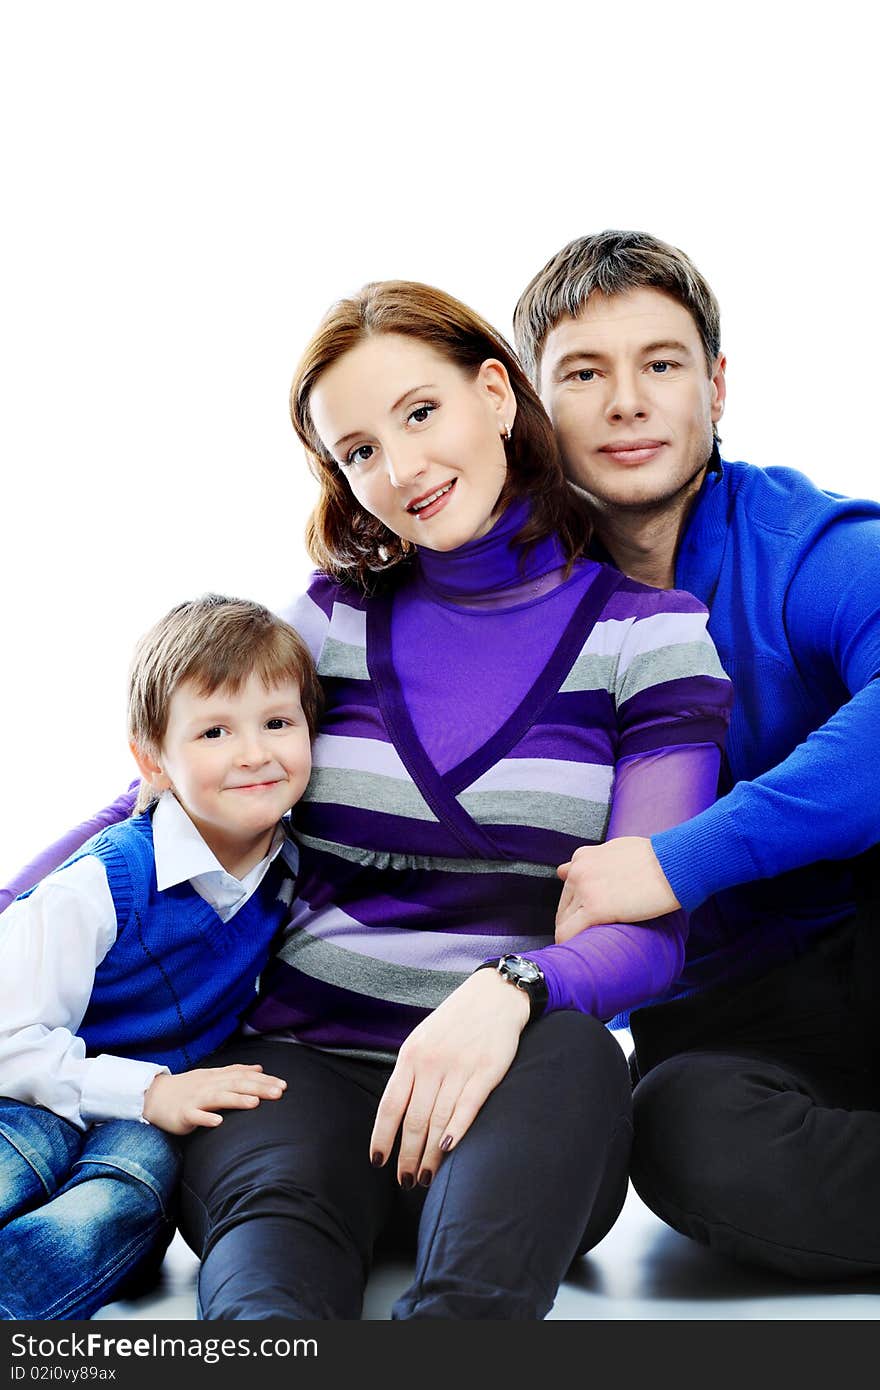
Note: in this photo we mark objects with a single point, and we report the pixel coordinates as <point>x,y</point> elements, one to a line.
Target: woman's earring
<point>507,432</point>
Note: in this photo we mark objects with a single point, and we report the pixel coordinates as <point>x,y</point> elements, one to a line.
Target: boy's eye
<point>214,732</point>
<point>276,723</point>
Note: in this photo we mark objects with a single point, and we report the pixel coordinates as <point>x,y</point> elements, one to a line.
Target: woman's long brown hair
<point>343,538</point>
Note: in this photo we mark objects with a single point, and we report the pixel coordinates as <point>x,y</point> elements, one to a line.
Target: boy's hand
<point>179,1104</point>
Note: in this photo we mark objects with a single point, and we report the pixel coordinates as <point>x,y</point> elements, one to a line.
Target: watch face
<point>520,971</point>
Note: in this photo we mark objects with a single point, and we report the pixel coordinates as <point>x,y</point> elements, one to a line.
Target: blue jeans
<point>80,1213</point>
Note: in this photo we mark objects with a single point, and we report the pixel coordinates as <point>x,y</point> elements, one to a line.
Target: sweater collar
<point>491,564</point>
<point>701,549</point>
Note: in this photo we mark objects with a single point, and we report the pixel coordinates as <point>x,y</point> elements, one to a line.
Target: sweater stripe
<point>586,820</point>
<point>382,860</point>
<point>437,948</point>
<point>344,660</point>
<point>417,984</point>
<point>685,661</point>
<point>351,787</point>
<point>361,754</point>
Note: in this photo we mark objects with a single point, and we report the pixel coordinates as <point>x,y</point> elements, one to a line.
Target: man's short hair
<point>216,643</point>
<point>610,263</point>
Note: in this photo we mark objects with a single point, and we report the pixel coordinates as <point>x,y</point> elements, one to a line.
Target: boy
<point>136,959</point>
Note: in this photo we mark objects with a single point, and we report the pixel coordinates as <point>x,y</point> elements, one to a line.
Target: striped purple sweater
<point>410,878</point>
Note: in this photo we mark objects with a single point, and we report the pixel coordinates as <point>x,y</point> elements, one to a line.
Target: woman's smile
<point>432,502</point>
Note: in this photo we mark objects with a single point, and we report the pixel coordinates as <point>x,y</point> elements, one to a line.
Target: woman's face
<point>419,440</point>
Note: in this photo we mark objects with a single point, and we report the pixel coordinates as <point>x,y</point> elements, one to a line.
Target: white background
<point>187,186</point>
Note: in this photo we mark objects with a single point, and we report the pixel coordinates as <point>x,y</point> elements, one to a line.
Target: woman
<point>493,701</point>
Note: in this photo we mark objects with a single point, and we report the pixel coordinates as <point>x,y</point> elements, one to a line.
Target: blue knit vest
<point>176,981</point>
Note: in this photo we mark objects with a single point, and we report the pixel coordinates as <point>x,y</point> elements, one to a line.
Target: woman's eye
<point>421,413</point>
<point>361,454</point>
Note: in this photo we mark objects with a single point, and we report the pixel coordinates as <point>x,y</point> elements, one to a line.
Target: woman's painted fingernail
<point>425,1177</point>
<point>406,1181</point>
<point>446,1143</point>
<point>377,1159</point>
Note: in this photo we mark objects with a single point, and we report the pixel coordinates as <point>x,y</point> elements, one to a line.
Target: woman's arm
<point>615,967</point>
<point>55,854</point>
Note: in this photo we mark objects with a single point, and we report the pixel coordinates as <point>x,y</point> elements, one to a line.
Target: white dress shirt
<point>52,943</point>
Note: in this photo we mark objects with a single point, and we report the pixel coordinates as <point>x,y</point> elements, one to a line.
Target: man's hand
<point>179,1104</point>
<point>619,881</point>
<point>445,1070</point>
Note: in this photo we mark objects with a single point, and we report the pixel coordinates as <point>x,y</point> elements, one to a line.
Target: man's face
<point>631,399</point>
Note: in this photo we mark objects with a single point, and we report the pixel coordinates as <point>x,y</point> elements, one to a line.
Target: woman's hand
<point>618,881</point>
<point>445,1070</point>
<point>179,1104</point>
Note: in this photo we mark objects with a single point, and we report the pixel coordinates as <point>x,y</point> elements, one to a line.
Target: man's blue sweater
<point>791,576</point>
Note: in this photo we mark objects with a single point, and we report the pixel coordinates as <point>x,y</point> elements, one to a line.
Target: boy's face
<point>236,763</point>
<point>632,403</point>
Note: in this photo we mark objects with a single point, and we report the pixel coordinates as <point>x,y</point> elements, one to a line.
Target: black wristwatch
<point>527,976</point>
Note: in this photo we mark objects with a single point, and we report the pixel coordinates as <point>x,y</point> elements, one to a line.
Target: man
<point>757,1115</point>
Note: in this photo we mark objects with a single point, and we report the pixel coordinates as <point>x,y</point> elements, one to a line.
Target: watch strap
<point>537,990</point>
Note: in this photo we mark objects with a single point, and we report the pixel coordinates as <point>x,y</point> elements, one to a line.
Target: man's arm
<point>821,802</point>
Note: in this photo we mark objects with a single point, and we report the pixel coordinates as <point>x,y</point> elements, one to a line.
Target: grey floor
<point>641,1270</point>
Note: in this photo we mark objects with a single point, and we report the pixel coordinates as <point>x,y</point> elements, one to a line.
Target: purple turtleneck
<point>485,608</point>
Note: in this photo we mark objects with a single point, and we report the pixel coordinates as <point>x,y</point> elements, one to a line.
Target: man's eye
<point>421,413</point>
<point>658,368</point>
<point>584,374</point>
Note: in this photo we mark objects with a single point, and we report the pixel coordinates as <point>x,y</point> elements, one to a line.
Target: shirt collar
<point>181,853</point>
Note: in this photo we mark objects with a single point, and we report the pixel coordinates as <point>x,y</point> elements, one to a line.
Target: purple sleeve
<point>610,969</point>
<point>55,854</point>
